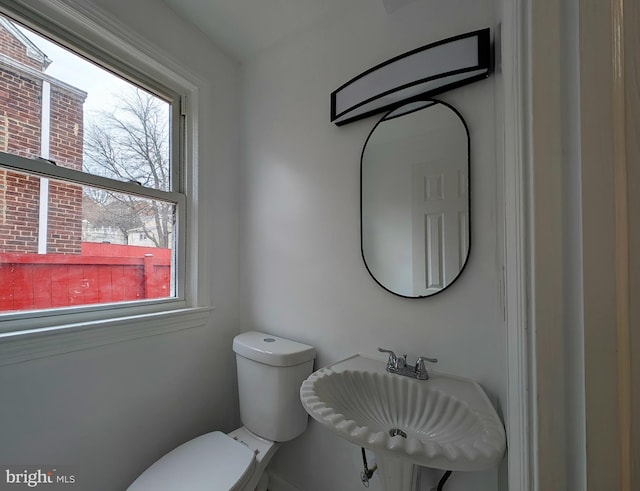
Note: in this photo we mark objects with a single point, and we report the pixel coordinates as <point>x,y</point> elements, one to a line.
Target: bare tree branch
<point>131,143</point>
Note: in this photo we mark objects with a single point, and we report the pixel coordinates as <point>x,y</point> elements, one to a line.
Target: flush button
<point>269,340</point>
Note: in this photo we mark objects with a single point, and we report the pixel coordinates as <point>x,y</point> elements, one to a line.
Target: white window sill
<point>21,346</point>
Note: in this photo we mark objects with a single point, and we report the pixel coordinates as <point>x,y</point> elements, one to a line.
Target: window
<point>92,214</point>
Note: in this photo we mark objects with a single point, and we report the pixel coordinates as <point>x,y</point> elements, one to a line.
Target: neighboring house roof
<point>32,50</point>
<point>35,53</point>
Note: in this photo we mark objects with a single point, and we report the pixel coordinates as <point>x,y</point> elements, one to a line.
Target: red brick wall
<point>65,200</point>
<point>18,212</point>
<point>20,135</point>
<point>20,119</point>
<point>67,133</point>
<point>64,235</point>
<point>19,114</point>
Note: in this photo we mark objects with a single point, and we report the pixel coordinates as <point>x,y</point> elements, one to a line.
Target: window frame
<point>103,40</point>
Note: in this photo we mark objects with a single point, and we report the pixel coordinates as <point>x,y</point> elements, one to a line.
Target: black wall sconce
<point>425,71</point>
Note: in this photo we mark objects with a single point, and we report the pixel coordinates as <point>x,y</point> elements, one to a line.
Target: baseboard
<point>276,483</point>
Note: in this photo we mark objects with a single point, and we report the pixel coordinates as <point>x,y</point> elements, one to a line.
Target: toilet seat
<point>211,462</point>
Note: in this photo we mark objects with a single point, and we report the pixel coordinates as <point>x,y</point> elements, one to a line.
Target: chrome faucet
<point>398,365</point>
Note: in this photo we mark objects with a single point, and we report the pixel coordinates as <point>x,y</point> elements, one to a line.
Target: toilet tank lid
<point>272,350</point>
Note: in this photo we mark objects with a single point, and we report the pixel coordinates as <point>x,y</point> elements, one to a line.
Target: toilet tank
<point>270,372</point>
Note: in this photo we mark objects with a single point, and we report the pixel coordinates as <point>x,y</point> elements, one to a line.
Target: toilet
<point>270,372</point>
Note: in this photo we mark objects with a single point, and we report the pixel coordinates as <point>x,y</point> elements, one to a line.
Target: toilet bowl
<point>270,371</point>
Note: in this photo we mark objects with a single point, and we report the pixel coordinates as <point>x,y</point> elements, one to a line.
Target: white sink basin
<point>445,422</point>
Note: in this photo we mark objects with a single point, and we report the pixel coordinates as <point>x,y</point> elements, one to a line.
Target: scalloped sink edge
<point>447,421</point>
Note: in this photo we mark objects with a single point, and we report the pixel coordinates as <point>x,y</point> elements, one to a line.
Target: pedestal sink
<point>446,422</point>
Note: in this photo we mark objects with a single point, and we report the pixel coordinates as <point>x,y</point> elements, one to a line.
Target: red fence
<point>117,274</point>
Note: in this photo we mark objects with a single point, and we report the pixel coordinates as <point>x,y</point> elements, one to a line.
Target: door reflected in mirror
<point>415,227</point>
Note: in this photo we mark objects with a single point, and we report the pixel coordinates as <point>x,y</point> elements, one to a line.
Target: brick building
<point>40,116</point>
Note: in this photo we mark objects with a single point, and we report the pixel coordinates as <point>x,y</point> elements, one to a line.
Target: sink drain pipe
<point>443,480</point>
<point>366,473</point>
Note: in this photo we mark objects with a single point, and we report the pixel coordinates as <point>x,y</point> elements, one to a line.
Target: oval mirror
<point>414,191</point>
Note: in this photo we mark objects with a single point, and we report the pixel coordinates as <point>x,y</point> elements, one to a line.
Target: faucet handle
<point>426,358</point>
<point>393,359</point>
<point>420,367</point>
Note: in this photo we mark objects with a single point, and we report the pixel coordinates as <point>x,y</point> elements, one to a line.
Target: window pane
<point>65,245</point>
<point>56,105</point>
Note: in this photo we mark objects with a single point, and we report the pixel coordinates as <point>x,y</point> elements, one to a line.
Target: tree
<point>131,143</point>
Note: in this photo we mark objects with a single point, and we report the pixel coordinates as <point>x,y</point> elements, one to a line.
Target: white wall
<point>110,412</point>
<point>303,276</point>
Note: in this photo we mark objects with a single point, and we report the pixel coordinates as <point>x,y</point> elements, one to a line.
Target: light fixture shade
<point>425,71</point>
